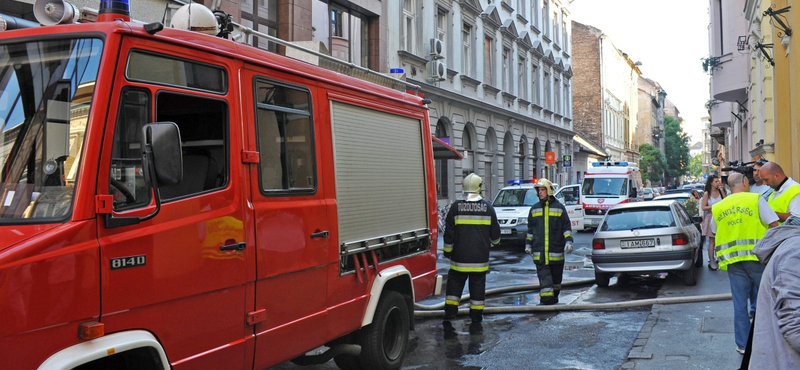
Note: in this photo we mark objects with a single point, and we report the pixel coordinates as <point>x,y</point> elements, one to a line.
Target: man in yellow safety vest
<point>740,220</point>
<point>784,201</point>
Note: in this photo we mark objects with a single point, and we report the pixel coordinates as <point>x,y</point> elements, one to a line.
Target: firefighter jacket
<point>470,230</point>
<point>549,230</point>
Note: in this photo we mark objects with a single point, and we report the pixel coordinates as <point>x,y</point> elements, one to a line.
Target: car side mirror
<point>697,219</point>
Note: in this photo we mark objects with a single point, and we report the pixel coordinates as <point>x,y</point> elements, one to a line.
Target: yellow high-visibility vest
<point>781,203</point>
<point>739,227</point>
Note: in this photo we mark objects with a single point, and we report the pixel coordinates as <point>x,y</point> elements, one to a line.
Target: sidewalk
<point>688,335</point>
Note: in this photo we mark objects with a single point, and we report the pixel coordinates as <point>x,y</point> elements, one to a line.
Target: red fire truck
<point>175,200</point>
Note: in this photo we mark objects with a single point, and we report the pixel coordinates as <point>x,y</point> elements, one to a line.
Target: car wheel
<point>601,278</point>
<point>690,277</point>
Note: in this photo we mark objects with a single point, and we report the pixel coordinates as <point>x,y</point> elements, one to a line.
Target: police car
<point>513,203</point>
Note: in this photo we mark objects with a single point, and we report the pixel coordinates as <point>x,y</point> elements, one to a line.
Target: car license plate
<point>505,231</point>
<point>639,243</point>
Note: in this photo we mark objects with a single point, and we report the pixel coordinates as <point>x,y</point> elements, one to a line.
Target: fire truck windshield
<point>46,90</point>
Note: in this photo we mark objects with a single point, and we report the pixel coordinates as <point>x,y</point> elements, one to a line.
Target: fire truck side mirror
<point>162,142</point>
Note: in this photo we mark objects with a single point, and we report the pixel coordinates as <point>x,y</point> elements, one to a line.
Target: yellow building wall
<point>786,96</point>
<point>767,87</point>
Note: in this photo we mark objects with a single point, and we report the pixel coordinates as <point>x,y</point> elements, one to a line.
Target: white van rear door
<point>570,197</point>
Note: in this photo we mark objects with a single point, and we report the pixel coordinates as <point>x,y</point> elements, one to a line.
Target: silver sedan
<point>645,238</point>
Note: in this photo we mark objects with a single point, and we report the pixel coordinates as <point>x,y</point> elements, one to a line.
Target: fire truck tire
<point>384,342</point>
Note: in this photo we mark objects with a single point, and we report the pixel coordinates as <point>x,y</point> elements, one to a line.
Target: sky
<point>668,37</point>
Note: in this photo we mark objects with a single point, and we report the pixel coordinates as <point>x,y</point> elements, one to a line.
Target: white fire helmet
<point>195,17</point>
<point>546,184</point>
<point>472,187</point>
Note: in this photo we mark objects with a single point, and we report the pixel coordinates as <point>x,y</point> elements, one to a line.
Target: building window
<point>266,12</point>
<point>466,56</point>
<point>555,28</point>
<point>409,34</point>
<point>522,79</point>
<point>488,56</point>
<point>507,70</point>
<point>557,96</point>
<point>344,32</point>
<point>441,30</point>
<point>565,36</point>
<point>545,12</point>
<point>521,8</point>
<point>535,85</point>
<point>546,91</point>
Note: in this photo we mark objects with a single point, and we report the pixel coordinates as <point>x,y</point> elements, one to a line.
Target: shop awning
<point>442,150</point>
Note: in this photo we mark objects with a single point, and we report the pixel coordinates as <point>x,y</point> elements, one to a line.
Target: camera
<point>745,168</point>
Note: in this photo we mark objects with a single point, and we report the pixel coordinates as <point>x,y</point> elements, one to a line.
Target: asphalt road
<point>544,340</point>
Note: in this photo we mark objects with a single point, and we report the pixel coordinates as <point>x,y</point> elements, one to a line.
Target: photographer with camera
<point>784,201</point>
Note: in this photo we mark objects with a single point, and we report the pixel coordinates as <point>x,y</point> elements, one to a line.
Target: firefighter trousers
<point>549,281</point>
<point>477,293</point>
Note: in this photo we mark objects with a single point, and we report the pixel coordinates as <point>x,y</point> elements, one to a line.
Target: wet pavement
<point>542,340</point>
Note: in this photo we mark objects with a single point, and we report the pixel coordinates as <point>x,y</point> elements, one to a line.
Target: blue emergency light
<point>609,163</point>
<point>112,9</point>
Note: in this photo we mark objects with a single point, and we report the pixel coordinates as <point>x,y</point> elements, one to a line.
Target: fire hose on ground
<point>437,310</point>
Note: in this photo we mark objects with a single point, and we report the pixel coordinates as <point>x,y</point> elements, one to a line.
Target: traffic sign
<point>567,161</point>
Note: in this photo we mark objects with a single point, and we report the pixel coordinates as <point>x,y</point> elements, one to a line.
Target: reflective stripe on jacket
<point>549,230</point>
<point>471,228</point>
<point>739,228</point>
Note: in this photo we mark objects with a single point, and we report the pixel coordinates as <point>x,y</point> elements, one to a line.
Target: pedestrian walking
<point>471,228</point>
<point>549,238</point>
<point>740,220</point>
<point>776,332</point>
<point>713,192</point>
<point>760,187</point>
<point>784,201</point>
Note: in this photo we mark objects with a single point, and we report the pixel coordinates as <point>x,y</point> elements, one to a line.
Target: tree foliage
<point>696,165</point>
<point>652,163</point>
<point>676,148</point>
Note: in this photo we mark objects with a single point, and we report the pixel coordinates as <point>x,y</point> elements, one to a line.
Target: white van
<point>513,203</point>
<point>570,197</point>
<point>607,184</point>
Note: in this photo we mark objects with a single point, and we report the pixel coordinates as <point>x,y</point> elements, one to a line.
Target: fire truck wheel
<point>384,342</point>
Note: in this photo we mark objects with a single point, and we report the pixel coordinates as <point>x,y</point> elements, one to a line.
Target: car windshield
<point>46,89</point>
<point>638,218</point>
<point>516,198</point>
<point>614,186</point>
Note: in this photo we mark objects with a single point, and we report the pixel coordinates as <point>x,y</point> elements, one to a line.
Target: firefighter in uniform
<point>549,238</point>
<point>740,220</point>
<point>471,228</point>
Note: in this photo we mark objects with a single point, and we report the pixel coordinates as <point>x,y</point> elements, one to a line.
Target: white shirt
<point>762,189</point>
<point>794,204</point>
<point>765,213</point>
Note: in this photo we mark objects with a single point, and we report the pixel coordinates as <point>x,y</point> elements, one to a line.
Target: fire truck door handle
<point>319,234</point>
<point>233,247</point>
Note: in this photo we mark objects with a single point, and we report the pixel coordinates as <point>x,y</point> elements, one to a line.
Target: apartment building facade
<point>605,95</point>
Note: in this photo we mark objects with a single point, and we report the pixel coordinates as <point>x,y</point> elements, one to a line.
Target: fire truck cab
<point>175,200</point>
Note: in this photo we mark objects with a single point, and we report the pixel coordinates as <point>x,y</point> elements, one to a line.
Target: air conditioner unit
<point>437,70</point>
<point>436,49</point>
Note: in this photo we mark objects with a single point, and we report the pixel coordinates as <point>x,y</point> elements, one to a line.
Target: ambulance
<point>171,199</point>
<point>606,184</point>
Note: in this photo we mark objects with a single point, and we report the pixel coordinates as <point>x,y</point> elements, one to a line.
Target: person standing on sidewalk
<point>471,228</point>
<point>760,187</point>
<point>776,331</point>
<point>549,238</point>
<point>713,192</point>
<point>784,201</point>
<point>740,220</point>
